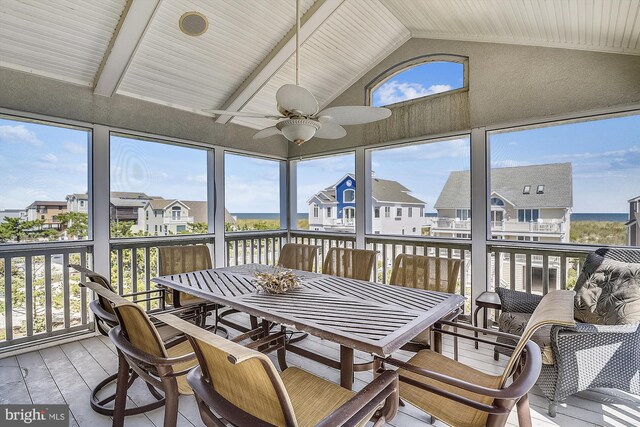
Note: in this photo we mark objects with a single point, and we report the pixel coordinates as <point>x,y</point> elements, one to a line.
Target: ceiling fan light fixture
<point>298,130</point>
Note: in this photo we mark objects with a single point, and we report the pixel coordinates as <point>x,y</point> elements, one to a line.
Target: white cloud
<point>74,147</point>
<point>19,134</point>
<point>394,91</point>
<point>508,163</point>
<point>197,178</point>
<point>49,158</point>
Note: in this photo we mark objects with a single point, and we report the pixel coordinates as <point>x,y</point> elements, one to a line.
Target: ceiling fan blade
<point>353,115</point>
<point>267,132</point>
<point>244,114</point>
<point>330,131</point>
<point>296,98</point>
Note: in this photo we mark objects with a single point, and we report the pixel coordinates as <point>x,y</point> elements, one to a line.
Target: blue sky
<point>422,80</point>
<point>46,162</point>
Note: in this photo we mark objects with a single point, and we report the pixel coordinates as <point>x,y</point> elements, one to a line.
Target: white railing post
<point>218,190</point>
<point>363,201</point>
<point>292,195</point>
<point>480,217</point>
<point>286,218</point>
<point>99,200</point>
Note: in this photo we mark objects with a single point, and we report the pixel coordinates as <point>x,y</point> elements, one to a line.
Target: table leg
<point>346,367</point>
<point>437,340</point>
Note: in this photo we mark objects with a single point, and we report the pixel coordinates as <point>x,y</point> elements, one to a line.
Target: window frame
<point>402,66</point>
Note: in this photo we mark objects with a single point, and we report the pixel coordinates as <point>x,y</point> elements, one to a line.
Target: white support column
<point>219,207</point>
<point>211,198</point>
<point>361,196</point>
<point>293,195</point>
<point>285,216</point>
<point>99,199</point>
<point>480,215</point>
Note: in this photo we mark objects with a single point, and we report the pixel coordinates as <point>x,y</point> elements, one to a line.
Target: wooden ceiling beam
<point>133,24</point>
<point>317,14</point>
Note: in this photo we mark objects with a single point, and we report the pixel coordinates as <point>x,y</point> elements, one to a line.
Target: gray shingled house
<point>527,203</point>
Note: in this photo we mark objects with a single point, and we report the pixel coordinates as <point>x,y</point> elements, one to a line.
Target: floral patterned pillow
<point>608,292</point>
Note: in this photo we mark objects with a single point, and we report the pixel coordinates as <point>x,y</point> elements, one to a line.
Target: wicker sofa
<point>603,350</point>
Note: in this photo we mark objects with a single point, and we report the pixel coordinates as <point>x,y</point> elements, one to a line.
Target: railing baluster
<point>120,275</point>
<point>47,293</point>
<point>147,273</point>
<point>84,318</point>
<point>8,303</point>
<point>545,274</point>
<point>528,273</point>
<point>563,272</point>
<point>65,289</point>
<point>512,270</point>
<point>497,261</point>
<point>28,292</point>
<point>134,272</point>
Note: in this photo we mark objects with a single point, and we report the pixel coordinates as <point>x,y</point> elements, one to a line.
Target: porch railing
<point>134,262</point>
<point>254,247</point>
<point>535,270</point>
<point>40,296</point>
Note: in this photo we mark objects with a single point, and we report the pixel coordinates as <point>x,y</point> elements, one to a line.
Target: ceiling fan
<point>299,117</point>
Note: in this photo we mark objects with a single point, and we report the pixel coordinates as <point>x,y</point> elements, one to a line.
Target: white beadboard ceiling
<point>358,35</point>
<point>599,25</point>
<point>68,40</point>
<point>62,39</point>
<point>195,73</point>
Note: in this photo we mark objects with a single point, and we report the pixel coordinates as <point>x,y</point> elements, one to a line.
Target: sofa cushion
<point>608,292</point>
<point>514,323</point>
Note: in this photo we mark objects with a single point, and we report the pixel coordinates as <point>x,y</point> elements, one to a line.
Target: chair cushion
<point>314,398</point>
<point>608,292</point>
<point>444,409</point>
<point>514,323</point>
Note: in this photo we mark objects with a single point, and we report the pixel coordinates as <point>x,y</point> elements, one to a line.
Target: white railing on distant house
<point>177,220</point>
<point>540,226</point>
<point>41,298</point>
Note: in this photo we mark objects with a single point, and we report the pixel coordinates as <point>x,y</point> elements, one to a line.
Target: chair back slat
<point>297,256</point>
<point>244,377</point>
<point>425,272</point>
<point>555,308</point>
<point>350,263</point>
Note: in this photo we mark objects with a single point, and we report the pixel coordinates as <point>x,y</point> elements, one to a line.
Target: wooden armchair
<point>239,385</point>
<point>298,256</point>
<point>462,396</point>
<point>350,263</point>
<point>142,352</point>
<point>428,273</point>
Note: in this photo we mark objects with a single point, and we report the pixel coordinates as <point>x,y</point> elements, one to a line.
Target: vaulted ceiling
<point>135,48</point>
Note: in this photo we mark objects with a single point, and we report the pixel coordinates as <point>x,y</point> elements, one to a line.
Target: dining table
<point>371,317</point>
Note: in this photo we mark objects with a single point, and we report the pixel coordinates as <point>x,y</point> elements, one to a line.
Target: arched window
<point>349,196</point>
<point>418,78</point>
<point>495,201</point>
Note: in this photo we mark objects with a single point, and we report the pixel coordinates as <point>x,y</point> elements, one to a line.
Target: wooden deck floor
<point>66,373</point>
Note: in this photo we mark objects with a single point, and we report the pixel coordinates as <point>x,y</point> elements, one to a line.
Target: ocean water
<point>600,217</point>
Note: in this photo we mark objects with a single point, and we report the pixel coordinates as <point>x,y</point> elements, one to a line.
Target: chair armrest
<point>383,389</point>
<point>586,328</point>
<point>519,387</point>
<point>517,301</point>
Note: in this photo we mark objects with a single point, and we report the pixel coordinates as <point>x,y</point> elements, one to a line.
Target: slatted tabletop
<point>371,317</point>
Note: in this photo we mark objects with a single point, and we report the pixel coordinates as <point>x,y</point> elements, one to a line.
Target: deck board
<point>66,373</point>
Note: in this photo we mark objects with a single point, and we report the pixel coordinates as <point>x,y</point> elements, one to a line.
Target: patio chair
<point>297,256</point>
<point>462,396</point>
<point>602,349</point>
<point>238,385</point>
<point>350,263</point>
<point>428,273</point>
<point>142,352</point>
<point>185,259</point>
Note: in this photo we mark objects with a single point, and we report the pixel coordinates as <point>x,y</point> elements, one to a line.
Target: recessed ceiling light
<point>193,23</point>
